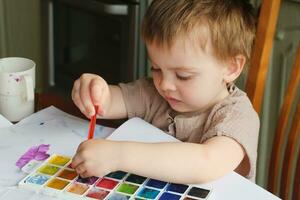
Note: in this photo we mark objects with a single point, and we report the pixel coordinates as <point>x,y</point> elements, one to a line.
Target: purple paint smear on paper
<point>36,152</point>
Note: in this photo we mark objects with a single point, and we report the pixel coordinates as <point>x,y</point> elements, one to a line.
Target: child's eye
<point>183,78</point>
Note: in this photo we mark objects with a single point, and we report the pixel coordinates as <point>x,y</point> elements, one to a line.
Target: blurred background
<point>68,37</point>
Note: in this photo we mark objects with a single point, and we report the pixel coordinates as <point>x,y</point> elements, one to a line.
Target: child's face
<point>187,77</point>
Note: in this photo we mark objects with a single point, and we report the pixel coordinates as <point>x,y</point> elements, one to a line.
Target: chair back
<point>284,168</point>
<point>259,62</point>
<point>284,153</point>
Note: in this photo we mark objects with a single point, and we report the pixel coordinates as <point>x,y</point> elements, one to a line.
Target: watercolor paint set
<point>55,177</point>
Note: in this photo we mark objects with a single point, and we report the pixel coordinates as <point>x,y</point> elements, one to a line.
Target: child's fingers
<point>104,100</point>
<point>85,174</point>
<point>76,161</point>
<point>96,91</point>
<point>80,146</point>
<point>80,169</point>
<point>81,149</point>
<point>85,96</point>
<point>97,86</point>
<point>87,92</point>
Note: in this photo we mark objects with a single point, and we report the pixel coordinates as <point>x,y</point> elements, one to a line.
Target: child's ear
<point>234,68</point>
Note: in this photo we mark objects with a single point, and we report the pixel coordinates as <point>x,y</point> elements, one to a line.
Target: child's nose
<point>167,84</point>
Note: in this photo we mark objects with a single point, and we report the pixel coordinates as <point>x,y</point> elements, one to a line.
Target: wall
<point>20,31</point>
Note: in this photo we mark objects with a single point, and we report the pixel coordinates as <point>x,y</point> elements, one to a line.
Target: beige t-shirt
<point>234,117</point>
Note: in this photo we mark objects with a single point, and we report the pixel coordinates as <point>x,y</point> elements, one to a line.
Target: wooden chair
<point>296,193</point>
<point>259,63</point>
<point>292,137</point>
<point>255,89</point>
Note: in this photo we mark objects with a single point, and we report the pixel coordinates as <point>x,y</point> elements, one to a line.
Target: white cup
<point>17,84</point>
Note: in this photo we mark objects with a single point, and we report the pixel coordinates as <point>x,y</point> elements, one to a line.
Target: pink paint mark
<point>36,153</point>
<point>15,77</point>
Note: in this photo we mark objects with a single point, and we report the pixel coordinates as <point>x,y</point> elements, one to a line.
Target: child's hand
<point>90,90</point>
<point>96,157</point>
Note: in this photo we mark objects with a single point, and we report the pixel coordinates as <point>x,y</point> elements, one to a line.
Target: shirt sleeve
<point>240,122</point>
<point>138,96</point>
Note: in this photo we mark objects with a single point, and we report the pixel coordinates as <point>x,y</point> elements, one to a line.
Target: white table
<point>64,132</point>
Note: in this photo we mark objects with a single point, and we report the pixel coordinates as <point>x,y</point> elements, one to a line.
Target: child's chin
<point>179,108</point>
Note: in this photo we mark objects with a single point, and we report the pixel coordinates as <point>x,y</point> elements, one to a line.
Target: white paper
<point>16,193</point>
<point>138,130</point>
<point>77,125</point>
<point>4,122</point>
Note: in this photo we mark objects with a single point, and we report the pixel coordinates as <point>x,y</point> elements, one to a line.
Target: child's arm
<point>173,162</point>
<point>90,90</point>
<point>183,162</point>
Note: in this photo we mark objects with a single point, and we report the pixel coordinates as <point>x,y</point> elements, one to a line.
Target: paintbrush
<point>93,124</point>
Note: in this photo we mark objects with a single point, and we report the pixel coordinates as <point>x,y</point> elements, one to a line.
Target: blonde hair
<point>231,24</point>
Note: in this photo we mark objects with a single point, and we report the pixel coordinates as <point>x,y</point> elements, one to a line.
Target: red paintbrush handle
<point>93,124</point>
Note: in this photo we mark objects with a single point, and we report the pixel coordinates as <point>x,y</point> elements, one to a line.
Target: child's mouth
<point>172,101</point>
